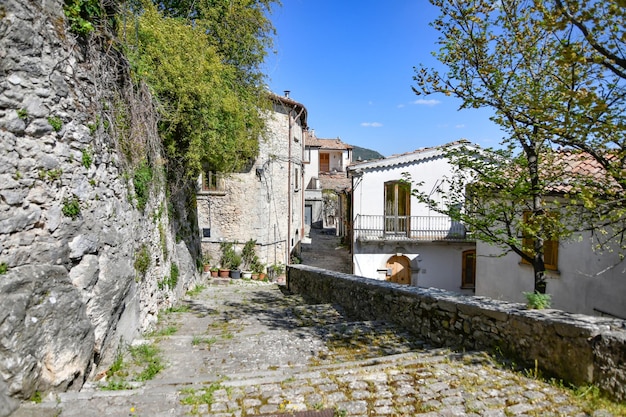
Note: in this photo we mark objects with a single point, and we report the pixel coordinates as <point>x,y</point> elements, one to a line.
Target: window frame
<point>550,247</point>
<point>215,183</point>
<point>464,278</point>
<point>394,223</point>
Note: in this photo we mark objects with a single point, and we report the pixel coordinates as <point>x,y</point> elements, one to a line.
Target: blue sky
<point>350,63</point>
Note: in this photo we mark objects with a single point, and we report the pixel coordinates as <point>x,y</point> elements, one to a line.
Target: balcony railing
<point>424,228</point>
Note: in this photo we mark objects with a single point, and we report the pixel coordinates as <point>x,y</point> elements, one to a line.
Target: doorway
<point>400,269</point>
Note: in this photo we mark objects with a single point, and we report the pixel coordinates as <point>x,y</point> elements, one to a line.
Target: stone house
<point>397,238</point>
<point>327,184</point>
<point>264,202</point>
<point>579,278</point>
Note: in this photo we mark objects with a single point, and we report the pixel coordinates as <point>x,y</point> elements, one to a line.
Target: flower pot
<point>246,274</point>
<point>255,276</point>
<point>215,273</point>
<point>262,276</point>
<point>224,273</point>
<point>206,268</point>
<point>235,273</point>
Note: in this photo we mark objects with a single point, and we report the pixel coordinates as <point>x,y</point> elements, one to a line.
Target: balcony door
<point>324,162</point>
<point>397,208</point>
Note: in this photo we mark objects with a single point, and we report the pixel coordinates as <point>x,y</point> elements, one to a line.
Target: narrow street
<point>326,251</point>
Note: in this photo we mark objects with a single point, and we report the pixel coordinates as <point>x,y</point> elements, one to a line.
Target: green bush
<point>538,301</point>
<point>71,208</point>
<point>86,158</point>
<point>142,260</point>
<point>3,268</point>
<point>142,179</point>
<point>55,122</point>
<point>81,14</point>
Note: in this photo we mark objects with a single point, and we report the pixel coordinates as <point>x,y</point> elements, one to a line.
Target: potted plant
<point>257,268</point>
<point>214,272</point>
<point>235,272</point>
<point>226,259</point>
<point>247,256</point>
<point>206,263</point>
<point>275,271</point>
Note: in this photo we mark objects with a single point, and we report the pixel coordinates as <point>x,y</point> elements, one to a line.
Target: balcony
<point>409,228</point>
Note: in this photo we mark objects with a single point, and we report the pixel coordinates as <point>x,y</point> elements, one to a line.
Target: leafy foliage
<point>208,116</point>
<point>537,301</point>
<point>540,77</point>
<point>71,208</point>
<point>81,14</point>
<point>142,260</point>
<point>142,179</point>
<point>55,122</point>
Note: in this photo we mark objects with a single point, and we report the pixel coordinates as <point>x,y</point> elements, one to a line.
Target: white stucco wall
<point>577,287</point>
<point>369,190</point>
<point>436,265</point>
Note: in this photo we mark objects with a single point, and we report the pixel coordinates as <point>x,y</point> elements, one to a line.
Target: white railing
<point>368,227</point>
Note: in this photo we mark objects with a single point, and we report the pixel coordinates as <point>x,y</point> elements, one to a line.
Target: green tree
<point>207,116</point>
<point>595,121</point>
<point>502,55</point>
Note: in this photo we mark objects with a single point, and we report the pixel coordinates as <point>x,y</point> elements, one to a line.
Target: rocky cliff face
<point>70,231</point>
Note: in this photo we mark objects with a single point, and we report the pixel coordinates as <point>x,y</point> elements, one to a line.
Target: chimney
<point>287,93</point>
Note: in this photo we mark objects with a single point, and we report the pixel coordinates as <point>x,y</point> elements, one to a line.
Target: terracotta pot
<point>255,275</point>
<point>224,273</point>
<point>206,268</point>
<point>214,274</point>
<point>262,276</point>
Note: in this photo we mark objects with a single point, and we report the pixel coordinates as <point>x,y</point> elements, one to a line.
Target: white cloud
<point>423,102</point>
<point>371,124</point>
<point>400,106</point>
<point>459,126</point>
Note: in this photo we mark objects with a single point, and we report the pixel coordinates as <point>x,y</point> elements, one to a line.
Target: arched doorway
<point>400,267</point>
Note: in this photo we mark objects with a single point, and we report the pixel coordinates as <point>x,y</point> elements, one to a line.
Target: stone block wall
<point>70,229</point>
<point>576,348</point>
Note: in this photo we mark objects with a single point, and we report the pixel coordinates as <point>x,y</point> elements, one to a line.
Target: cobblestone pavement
<point>249,348</point>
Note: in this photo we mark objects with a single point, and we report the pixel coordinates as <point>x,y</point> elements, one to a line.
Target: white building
<point>579,278</point>
<point>397,238</point>
<point>264,202</point>
<point>326,162</point>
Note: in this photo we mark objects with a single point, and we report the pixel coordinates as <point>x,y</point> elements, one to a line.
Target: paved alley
<point>250,348</point>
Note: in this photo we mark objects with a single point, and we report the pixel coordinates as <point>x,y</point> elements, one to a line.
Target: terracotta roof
<point>577,166</point>
<point>286,101</point>
<point>335,144</point>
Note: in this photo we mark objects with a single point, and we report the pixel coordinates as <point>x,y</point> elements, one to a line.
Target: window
<point>468,279</point>
<point>550,248</point>
<point>306,157</point>
<point>397,208</point>
<point>212,181</point>
<point>297,179</point>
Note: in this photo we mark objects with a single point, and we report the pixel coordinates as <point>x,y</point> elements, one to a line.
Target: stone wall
<point>70,229</point>
<point>259,202</point>
<point>576,348</point>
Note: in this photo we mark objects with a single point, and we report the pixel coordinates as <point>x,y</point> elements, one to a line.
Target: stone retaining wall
<point>576,348</point>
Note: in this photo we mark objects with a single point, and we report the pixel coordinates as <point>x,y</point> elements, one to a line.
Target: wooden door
<point>400,267</point>
<point>324,162</point>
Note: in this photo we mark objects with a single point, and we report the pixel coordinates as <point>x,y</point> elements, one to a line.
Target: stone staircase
<point>248,349</point>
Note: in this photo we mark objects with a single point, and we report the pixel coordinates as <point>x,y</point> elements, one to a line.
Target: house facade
<point>327,183</point>
<point>580,279</point>
<point>397,238</point>
<point>264,202</point>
